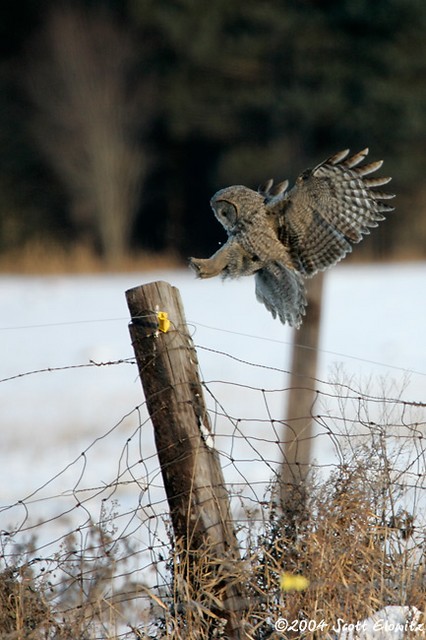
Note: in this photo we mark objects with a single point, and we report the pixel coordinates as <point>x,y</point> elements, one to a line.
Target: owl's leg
<point>210,267</point>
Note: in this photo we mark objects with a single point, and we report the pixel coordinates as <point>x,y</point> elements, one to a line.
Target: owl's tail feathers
<point>282,292</point>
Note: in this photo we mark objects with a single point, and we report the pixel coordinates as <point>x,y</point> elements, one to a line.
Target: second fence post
<point>193,480</point>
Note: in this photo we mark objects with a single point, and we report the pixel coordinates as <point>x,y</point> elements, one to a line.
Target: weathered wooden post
<point>302,395</point>
<point>193,480</point>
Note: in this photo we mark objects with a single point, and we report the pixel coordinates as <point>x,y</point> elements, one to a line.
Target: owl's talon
<point>202,267</point>
<point>193,263</point>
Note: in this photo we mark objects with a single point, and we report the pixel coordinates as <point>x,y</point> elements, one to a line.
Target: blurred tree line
<point>119,119</point>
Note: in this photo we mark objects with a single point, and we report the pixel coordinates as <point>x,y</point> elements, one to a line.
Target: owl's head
<point>235,203</point>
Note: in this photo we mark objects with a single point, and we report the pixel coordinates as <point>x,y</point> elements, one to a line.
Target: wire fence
<point>90,550</point>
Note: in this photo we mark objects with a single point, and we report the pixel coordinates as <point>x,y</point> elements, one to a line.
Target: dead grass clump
<point>44,257</point>
<point>356,557</point>
<point>22,607</point>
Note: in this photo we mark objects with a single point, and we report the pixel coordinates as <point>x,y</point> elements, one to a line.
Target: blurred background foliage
<point>120,118</point>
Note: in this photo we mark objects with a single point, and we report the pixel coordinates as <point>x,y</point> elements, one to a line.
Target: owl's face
<point>235,203</point>
<point>226,212</point>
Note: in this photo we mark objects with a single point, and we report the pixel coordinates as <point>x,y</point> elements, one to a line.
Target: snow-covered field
<point>372,334</point>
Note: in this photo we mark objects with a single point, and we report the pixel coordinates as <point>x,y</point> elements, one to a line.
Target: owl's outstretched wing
<point>282,292</point>
<point>329,209</point>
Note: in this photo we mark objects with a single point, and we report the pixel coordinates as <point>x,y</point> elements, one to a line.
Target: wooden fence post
<point>193,480</point>
<point>302,395</point>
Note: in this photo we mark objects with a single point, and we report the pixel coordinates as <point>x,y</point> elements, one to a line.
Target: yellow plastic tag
<point>292,582</point>
<point>163,321</point>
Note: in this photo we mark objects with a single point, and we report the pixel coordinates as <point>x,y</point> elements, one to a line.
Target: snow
<point>84,419</point>
<point>390,623</point>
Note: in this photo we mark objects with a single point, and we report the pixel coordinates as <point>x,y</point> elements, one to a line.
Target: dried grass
<point>45,258</point>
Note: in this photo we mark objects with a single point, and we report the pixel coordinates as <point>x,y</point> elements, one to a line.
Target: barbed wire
<point>84,365</point>
<point>196,324</point>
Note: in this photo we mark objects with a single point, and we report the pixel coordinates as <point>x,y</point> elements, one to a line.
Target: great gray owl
<point>285,236</point>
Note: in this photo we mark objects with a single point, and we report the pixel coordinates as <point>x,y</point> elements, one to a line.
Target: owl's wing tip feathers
<point>273,191</point>
<point>337,157</point>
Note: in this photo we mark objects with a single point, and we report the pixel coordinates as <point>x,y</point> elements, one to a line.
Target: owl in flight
<point>283,237</point>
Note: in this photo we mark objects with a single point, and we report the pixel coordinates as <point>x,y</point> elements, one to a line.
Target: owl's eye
<point>227,212</point>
